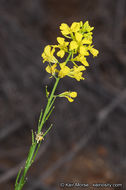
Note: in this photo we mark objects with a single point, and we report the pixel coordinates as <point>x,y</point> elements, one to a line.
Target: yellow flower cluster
<point>74,47</point>
<point>77,47</point>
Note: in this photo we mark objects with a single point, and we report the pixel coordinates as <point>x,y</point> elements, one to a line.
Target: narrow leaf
<point>48,130</point>
<point>18,175</point>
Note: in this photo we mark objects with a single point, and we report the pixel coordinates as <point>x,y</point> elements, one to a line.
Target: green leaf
<point>48,130</point>
<point>18,175</point>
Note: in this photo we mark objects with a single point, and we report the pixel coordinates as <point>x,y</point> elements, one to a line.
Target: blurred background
<point>87,143</point>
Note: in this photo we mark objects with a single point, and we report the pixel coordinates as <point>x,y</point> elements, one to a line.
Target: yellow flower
<point>81,59</point>
<point>94,51</point>
<point>83,51</point>
<point>63,47</point>
<point>64,70</point>
<point>75,27</point>
<point>88,35</point>
<point>69,95</point>
<point>66,30</point>
<point>76,72</point>
<point>79,42</point>
<point>48,55</point>
<point>86,27</point>
<point>73,45</point>
<point>51,69</point>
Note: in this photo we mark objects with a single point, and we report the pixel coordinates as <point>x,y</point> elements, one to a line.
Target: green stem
<point>32,152</point>
<point>20,181</point>
<point>48,105</point>
<point>28,163</point>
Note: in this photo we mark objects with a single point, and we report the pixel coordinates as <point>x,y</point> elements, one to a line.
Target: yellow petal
<point>73,94</point>
<point>61,53</point>
<point>73,45</point>
<point>51,69</point>
<point>52,52</point>
<point>81,68</point>
<point>86,41</point>
<point>64,29</point>
<point>83,60</point>
<point>87,27</point>
<point>85,63</point>
<point>62,65</point>
<point>47,49</point>
<point>83,51</point>
<point>48,69</point>
<point>60,40</point>
<point>75,26</point>
<point>78,76</point>
<point>69,99</point>
<point>64,70</point>
<point>66,44</point>
<point>78,36</point>
<point>94,52</point>
<point>81,23</point>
